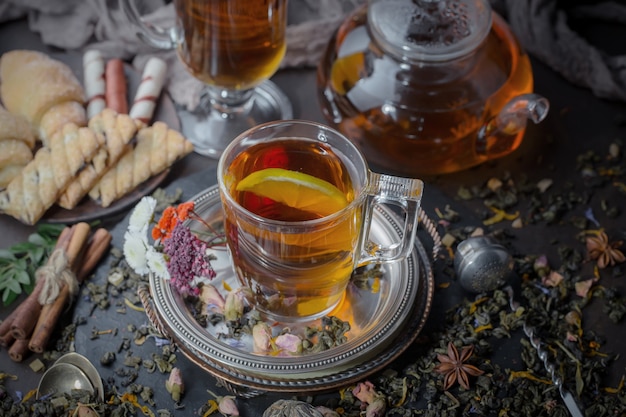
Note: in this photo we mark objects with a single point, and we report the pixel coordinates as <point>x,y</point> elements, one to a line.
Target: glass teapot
<point>428,86</point>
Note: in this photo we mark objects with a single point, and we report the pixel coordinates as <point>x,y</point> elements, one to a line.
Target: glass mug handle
<point>405,193</point>
<point>156,36</point>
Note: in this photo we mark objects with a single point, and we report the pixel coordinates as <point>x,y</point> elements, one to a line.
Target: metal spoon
<point>87,367</point>
<point>63,378</point>
<point>481,264</point>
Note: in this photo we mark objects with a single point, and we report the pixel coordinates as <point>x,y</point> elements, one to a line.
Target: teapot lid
<point>429,30</point>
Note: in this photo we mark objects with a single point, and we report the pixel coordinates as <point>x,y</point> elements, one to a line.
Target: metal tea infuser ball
<point>482,264</point>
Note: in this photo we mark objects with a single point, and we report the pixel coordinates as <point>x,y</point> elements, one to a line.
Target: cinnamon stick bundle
<point>6,338</point>
<point>25,316</point>
<point>35,318</point>
<point>50,313</point>
<point>19,350</point>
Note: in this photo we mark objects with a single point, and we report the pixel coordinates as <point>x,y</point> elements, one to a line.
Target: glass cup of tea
<point>298,201</point>
<point>234,47</point>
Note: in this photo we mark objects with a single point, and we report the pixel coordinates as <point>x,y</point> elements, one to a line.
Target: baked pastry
<point>157,147</point>
<point>58,116</point>
<point>15,127</point>
<point>118,130</point>
<point>16,144</point>
<point>33,84</point>
<point>39,184</point>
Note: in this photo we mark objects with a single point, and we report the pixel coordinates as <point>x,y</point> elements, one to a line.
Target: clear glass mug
<point>290,243</point>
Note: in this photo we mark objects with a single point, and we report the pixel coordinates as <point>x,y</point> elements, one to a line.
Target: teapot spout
<point>502,133</point>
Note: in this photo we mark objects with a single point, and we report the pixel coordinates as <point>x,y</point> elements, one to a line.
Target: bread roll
<point>32,84</point>
<point>15,127</point>
<point>16,144</point>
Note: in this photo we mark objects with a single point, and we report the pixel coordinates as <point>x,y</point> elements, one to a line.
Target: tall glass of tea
<point>234,47</point>
<point>298,200</point>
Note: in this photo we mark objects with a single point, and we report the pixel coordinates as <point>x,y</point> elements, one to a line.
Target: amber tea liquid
<point>233,44</point>
<point>315,260</point>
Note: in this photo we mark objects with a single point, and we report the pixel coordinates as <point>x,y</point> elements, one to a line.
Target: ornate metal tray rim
<point>291,373</point>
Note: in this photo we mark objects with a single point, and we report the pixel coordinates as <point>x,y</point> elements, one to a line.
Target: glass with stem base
<point>233,47</point>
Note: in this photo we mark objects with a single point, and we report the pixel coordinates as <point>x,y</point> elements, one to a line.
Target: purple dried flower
<point>187,259</point>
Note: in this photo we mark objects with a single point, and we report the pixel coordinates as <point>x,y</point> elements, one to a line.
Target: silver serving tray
<point>383,323</point>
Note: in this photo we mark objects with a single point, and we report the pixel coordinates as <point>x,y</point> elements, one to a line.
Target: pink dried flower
<point>365,392</point>
<point>233,306</point>
<point>212,297</point>
<point>175,385</point>
<point>289,343</point>
<point>226,404</point>
<point>187,259</point>
<point>262,337</point>
<point>374,402</point>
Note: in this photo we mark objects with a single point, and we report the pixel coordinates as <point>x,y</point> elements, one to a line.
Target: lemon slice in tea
<point>295,189</point>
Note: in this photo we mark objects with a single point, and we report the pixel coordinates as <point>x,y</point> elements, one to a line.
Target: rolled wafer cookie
<point>93,78</point>
<point>39,184</point>
<point>149,89</point>
<point>118,130</point>
<point>157,147</point>
<point>115,86</point>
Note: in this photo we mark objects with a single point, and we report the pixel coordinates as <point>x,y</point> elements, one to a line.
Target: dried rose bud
<point>262,337</point>
<point>365,392</point>
<point>233,306</point>
<point>174,384</point>
<point>84,410</point>
<point>211,297</point>
<point>289,343</point>
<point>226,404</point>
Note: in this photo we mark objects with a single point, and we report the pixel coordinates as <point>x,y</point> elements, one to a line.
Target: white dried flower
<point>135,247</point>
<point>142,215</point>
<point>156,263</point>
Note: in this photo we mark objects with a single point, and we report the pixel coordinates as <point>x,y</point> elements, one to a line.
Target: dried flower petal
<point>262,337</point>
<point>234,305</point>
<point>212,298</point>
<point>365,392</point>
<point>135,252</point>
<point>289,343</point>
<point>142,215</point>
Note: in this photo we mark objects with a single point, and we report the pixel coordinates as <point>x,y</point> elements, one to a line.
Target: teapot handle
<point>156,36</point>
<point>498,136</point>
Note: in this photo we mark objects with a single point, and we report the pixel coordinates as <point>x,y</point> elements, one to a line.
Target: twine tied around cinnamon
<point>55,273</point>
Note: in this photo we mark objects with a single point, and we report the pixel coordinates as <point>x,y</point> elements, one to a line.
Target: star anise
<point>602,251</point>
<point>453,367</point>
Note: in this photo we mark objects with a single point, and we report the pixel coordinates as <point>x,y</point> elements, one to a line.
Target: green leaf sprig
<point>19,262</point>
